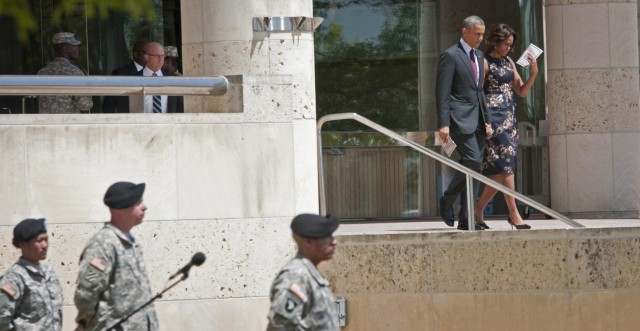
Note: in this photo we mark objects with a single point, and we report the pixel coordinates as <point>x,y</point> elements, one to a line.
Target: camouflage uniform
<point>30,298</point>
<point>302,300</point>
<point>63,104</point>
<point>112,282</point>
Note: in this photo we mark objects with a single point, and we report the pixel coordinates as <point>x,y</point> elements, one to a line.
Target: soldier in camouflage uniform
<point>30,292</point>
<point>301,299</point>
<point>67,48</point>
<point>171,60</point>
<point>112,279</point>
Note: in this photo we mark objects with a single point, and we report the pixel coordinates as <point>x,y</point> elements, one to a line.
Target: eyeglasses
<point>162,55</point>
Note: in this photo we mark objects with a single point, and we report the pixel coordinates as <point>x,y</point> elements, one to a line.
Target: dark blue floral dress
<point>500,150</point>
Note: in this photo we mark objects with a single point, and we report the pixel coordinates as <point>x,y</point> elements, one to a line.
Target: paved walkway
<point>436,225</point>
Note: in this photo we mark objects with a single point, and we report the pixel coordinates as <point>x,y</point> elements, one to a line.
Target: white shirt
<point>148,99</point>
<point>138,67</point>
<point>468,49</point>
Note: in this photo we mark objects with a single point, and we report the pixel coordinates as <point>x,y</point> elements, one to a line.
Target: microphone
<point>197,259</point>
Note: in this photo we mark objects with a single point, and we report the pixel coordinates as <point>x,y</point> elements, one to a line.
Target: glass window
<point>367,61</point>
<point>106,43</point>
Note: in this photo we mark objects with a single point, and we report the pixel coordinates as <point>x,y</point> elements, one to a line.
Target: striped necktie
<point>157,102</point>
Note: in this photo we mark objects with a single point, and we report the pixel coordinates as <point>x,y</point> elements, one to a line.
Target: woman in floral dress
<point>501,81</point>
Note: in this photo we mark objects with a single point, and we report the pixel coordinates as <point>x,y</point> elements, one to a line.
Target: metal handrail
<point>470,174</point>
<point>112,85</point>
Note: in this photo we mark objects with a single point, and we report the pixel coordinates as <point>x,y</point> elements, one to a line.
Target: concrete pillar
<point>271,74</point>
<point>218,39</point>
<point>593,97</point>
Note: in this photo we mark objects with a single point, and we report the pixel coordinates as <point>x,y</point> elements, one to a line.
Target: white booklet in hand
<point>534,50</point>
<point>448,146</point>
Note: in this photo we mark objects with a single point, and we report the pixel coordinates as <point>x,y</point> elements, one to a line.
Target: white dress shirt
<point>148,99</point>
<point>138,67</point>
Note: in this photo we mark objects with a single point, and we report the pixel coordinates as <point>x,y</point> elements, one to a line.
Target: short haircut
<point>470,21</point>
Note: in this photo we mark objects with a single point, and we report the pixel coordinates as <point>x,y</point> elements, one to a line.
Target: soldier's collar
<point>313,270</point>
<point>32,268</point>
<point>123,236</point>
<point>63,58</point>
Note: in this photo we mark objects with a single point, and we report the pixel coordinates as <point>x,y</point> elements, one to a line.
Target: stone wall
<point>225,184</point>
<point>578,279</point>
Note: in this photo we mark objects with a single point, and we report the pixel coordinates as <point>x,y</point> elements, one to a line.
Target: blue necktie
<point>157,102</point>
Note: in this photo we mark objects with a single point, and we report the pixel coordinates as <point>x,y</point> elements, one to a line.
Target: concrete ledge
<point>551,279</point>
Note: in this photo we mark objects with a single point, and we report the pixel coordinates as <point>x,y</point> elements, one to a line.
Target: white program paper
<point>448,146</point>
<point>534,50</point>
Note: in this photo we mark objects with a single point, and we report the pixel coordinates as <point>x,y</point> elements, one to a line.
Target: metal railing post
<point>471,217</point>
<point>321,188</point>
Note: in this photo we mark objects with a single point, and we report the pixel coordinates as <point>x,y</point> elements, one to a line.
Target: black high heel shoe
<point>522,226</point>
<point>482,224</point>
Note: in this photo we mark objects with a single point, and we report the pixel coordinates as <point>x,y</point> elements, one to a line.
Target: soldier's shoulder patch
<point>10,289</point>
<point>99,264</point>
<point>290,305</point>
<point>299,291</point>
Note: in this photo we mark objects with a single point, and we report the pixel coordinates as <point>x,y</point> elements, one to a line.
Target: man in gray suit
<point>462,114</point>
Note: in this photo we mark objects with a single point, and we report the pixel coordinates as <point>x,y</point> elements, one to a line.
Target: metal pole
<point>111,85</point>
<point>321,189</point>
<point>471,217</point>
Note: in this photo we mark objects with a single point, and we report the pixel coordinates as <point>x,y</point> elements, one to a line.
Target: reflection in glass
<point>367,62</point>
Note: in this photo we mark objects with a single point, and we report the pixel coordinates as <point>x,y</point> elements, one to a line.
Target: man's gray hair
<point>470,21</point>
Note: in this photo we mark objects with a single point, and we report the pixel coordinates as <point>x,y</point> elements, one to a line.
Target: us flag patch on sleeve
<point>299,292</point>
<point>99,263</point>
<point>10,290</point>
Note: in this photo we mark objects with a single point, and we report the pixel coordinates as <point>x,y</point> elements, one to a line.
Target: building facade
<point>226,177</point>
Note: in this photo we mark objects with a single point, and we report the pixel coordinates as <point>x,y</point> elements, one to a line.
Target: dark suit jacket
<point>460,102</point>
<point>120,104</point>
<point>175,104</point>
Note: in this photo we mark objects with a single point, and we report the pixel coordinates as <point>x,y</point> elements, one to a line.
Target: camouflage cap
<point>170,51</point>
<point>65,37</point>
<point>122,195</point>
<point>27,229</point>
<point>314,226</point>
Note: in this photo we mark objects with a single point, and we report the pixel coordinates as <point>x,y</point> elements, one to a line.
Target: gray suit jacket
<point>459,101</point>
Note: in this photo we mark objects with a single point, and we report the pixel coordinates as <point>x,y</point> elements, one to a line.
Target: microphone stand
<point>116,326</point>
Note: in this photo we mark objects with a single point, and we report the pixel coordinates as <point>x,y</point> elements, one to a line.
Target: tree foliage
<point>26,22</point>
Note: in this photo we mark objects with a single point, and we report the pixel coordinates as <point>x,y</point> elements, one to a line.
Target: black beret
<point>27,229</point>
<point>314,226</point>
<point>122,195</point>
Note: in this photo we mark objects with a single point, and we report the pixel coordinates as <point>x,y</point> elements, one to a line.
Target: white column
<point>593,96</point>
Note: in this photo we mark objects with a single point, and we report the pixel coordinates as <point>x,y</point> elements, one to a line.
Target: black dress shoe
<point>484,226</point>
<point>465,226</point>
<point>446,212</point>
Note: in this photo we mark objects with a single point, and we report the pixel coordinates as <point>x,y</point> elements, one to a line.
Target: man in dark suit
<point>154,56</point>
<point>120,104</point>
<point>462,113</point>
